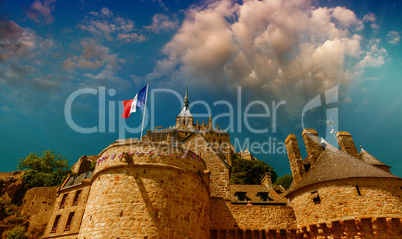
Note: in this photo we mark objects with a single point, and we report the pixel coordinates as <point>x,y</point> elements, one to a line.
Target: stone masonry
<point>174,183</point>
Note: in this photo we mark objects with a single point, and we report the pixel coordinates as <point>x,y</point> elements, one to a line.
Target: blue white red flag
<point>139,101</point>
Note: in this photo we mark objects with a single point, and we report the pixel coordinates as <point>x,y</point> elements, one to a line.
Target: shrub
<point>49,169</point>
<point>18,232</point>
<point>246,171</point>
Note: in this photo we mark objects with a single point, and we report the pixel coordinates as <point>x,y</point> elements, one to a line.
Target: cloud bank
<point>290,49</point>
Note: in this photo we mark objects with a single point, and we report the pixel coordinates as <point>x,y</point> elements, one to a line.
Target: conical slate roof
<point>333,164</point>
<point>370,159</point>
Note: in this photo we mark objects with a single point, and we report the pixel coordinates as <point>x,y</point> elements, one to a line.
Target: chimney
<point>346,143</point>
<point>313,145</point>
<point>266,180</point>
<point>295,161</point>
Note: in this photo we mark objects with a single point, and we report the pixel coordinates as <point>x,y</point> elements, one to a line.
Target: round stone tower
<point>336,193</point>
<point>147,190</point>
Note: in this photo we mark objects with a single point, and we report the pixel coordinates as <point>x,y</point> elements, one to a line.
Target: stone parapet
<point>227,216</point>
<point>347,199</point>
<point>129,153</point>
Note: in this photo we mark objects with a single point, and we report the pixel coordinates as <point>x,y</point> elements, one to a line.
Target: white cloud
<point>15,41</point>
<point>104,26</point>
<point>348,99</point>
<point>161,22</point>
<point>375,57</point>
<point>93,56</point>
<point>371,17</point>
<point>131,37</point>
<point>393,37</point>
<point>41,11</point>
<point>289,48</point>
<point>346,17</point>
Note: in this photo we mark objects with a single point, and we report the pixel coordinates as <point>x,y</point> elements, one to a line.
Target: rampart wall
<point>150,193</point>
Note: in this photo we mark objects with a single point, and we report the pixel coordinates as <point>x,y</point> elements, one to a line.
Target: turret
<point>313,145</point>
<point>346,143</point>
<point>295,160</point>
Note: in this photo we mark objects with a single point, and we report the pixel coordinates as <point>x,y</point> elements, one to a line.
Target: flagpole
<point>145,109</point>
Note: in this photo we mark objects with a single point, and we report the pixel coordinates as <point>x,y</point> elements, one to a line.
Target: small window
<point>241,196</point>
<point>264,197</point>
<point>316,198</point>
<point>69,220</point>
<point>56,222</point>
<point>73,181</point>
<point>63,200</point>
<point>76,197</point>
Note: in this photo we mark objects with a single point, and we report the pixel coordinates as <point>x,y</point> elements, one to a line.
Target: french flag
<point>139,101</point>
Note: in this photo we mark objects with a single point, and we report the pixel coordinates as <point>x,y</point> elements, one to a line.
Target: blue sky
<point>270,51</point>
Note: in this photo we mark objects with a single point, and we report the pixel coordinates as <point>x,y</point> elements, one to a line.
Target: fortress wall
<point>227,216</point>
<point>363,228</point>
<point>146,201</point>
<point>219,176</point>
<point>150,152</point>
<point>339,200</point>
<point>64,211</point>
<point>38,204</point>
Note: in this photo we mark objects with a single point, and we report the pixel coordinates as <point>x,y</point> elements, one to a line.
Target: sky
<point>262,69</point>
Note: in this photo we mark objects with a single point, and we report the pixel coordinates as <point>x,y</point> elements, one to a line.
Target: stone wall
<point>146,202</point>
<point>220,172</point>
<point>37,205</point>
<point>147,190</point>
<point>70,206</point>
<point>340,199</point>
<point>149,153</point>
<point>227,216</point>
<point>362,228</point>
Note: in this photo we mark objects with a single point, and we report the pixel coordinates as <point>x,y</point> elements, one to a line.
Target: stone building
<point>174,183</point>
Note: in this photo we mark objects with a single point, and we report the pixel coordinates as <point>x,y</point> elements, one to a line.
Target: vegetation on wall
<point>45,170</point>
<point>246,171</point>
<point>286,180</point>
<point>18,232</point>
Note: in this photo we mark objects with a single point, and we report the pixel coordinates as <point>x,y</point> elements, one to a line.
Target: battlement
<point>364,227</point>
<point>134,153</point>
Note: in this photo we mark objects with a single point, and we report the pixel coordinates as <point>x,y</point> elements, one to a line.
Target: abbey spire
<point>185,118</point>
<point>186,101</point>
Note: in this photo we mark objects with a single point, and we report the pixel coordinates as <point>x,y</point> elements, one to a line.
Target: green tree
<point>18,232</point>
<point>48,169</point>
<point>286,180</point>
<point>246,171</point>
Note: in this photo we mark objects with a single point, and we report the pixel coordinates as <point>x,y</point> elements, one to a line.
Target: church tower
<point>185,118</point>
